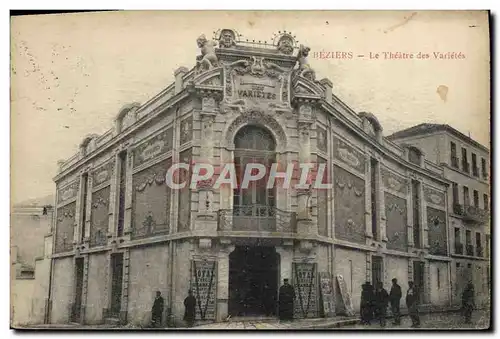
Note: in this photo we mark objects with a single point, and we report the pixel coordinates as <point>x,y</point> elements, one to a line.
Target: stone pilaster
<point>223,282</point>
<point>381,205</point>
<point>124,301</point>
<point>84,288</point>
<point>424,235</point>
<point>368,200</point>
<point>88,210</point>
<point>409,209</point>
<point>113,195</point>
<point>107,287</point>
<point>127,224</point>
<point>368,266</point>
<point>286,260</point>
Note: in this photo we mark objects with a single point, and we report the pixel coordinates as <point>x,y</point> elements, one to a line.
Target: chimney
<point>328,89</point>
<point>179,73</point>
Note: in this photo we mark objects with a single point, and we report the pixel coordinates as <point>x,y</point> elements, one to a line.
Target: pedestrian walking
<point>412,304</point>
<point>468,303</point>
<point>189,309</point>
<point>394,298</point>
<point>286,297</point>
<point>366,307</point>
<point>381,302</point>
<point>157,310</point>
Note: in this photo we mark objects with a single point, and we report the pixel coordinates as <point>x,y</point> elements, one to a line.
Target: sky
<point>71,73</point>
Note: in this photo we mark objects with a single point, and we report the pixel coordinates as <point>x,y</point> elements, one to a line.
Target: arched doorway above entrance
<point>253,281</point>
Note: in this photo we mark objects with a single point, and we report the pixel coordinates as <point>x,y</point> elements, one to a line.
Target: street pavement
<point>480,320</point>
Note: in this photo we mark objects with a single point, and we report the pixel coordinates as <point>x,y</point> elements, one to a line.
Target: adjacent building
<point>466,164</point>
<point>30,250</point>
<point>121,233</point>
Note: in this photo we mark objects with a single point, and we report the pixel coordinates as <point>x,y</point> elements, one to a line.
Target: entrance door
<point>253,281</point>
<point>418,279</point>
<point>377,263</point>
<point>77,306</point>
<point>116,284</point>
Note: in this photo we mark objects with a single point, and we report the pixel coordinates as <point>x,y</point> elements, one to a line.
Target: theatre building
<point>122,233</point>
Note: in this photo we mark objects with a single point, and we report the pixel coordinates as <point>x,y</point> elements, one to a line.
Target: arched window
<point>414,155</point>
<point>253,144</point>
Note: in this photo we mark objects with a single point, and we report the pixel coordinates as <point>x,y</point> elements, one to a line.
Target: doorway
<point>377,268</point>
<point>77,306</point>
<point>418,279</point>
<point>116,284</point>
<point>253,281</point>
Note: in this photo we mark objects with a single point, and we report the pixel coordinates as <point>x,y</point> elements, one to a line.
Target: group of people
<point>375,300</point>
<point>374,304</point>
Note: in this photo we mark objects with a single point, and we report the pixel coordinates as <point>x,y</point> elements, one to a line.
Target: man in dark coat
<point>157,310</point>
<point>366,308</point>
<point>189,309</point>
<point>381,299</point>
<point>286,297</point>
<point>412,304</point>
<point>468,302</point>
<point>395,297</point>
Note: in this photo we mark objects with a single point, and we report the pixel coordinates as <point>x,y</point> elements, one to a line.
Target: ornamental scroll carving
<point>103,173</point>
<point>433,196</point>
<point>68,192</point>
<point>155,146</point>
<point>348,155</point>
<point>394,182</point>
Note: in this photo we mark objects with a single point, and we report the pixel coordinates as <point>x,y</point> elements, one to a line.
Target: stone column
<point>223,282</point>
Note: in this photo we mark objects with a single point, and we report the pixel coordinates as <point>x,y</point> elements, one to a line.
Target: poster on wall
<point>346,296</point>
<point>203,285</point>
<point>305,284</point>
<point>326,290</point>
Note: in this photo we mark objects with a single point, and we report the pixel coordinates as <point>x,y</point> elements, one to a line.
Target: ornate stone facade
<point>158,238</point>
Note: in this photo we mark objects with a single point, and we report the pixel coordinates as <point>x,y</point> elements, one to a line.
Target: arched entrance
<point>253,281</point>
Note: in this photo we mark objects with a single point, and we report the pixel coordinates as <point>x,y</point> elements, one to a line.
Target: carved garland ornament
<point>350,185</point>
<point>157,178</point>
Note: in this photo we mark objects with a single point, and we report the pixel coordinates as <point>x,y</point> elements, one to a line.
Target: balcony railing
<point>459,248</point>
<point>479,251</point>
<point>454,162</point>
<point>256,218</point>
<point>98,239</point>
<point>470,250</point>
<point>475,171</point>
<point>471,213</point>
<point>465,167</point>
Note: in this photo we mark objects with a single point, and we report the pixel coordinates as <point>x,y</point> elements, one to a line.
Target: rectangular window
<point>374,193</point>
<point>439,278</point>
<point>465,163</point>
<point>466,196</point>
<point>487,245</point>
<point>476,198</point>
<point>486,202</point>
<point>454,159</point>
<point>416,212</point>
<point>484,171</point>
<point>479,249</point>
<point>475,169</point>
<point>122,191</point>
<point>468,243</point>
<point>85,181</point>
<point>455,193</point>
<point>458,242</point>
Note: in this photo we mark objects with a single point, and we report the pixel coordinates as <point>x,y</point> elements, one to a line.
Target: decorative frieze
<point>433,196</point>
<point>103,173</point>
<point>394,182</point>
<point>68,192</point>
<point>159,144</point>
<point>348,155</point>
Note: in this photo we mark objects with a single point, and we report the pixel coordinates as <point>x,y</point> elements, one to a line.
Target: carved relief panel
<point>321,139</point>
<point>434,197</point>
<point>151,201</point>
<point>348,155</point>
<point>396,226</point>
<point>65,227</point>
<point>436,224</point>
<point>349,201</point>
<point>99,217</point>
<point>186,132</point>
<point>394,182</point>
<point>153,147</point>
<point>68,192</point>
<point>103,173</point>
